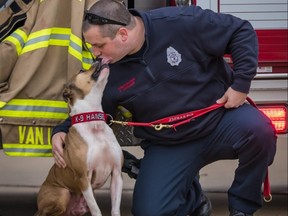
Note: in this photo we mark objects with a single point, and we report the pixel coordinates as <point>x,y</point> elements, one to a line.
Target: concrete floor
<point>21,201</point>
<point>21,177</point>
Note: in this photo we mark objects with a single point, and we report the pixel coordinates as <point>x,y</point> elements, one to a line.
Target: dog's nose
<point>97,65</point>
<point>98,69</point>
<point>96,74</point>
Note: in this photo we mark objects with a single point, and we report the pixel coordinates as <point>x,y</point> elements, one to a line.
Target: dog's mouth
<point>100,65</point>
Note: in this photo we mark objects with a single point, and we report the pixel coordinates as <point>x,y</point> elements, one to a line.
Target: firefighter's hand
<point>232,98</point>
<point>57,149</point>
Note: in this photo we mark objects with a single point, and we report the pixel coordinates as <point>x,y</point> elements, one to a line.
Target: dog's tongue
<point>105,60</point>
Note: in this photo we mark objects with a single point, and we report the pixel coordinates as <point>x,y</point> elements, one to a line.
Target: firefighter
<point>169,61</point>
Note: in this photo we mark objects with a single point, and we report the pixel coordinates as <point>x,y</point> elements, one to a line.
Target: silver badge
<point>173,57</point>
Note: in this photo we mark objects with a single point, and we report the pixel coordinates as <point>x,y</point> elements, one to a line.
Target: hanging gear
<point>40,49</point>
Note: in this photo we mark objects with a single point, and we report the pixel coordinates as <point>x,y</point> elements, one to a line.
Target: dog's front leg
<point>91,202</point>
<point>116,191</point>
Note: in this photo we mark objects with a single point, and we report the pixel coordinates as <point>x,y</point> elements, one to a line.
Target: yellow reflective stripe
<point>31,102</point>
<point>75,47</point>
<point>2,104</point>
<point>46,37</point>
<point>22,34</point>
<point>27,150</point>
<point>49,31</point>
<point>16,42</point>
<point>54,37</point>
<point>33,114</point>
<point>86,66</point>
<point>35,109</point>
<point>87,55</point>
<point>27,154</point>
<point>18,38</point>
<point>126,113</point>
<point>87,59</point>
<point>58,37</point>
<point>27,146</point>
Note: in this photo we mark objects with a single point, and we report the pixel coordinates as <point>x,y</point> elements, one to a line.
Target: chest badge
<point>173,56</point>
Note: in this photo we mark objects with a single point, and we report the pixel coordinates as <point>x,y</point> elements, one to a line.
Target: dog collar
<point>88,116</point>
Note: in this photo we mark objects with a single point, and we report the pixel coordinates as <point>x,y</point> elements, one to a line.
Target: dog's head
<point>81,84</point>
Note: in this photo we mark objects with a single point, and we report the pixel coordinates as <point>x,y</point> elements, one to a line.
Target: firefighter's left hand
<point>232,98</point>
<point>57,148</point>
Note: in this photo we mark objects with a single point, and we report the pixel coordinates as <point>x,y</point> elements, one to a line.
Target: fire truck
<point>270,20</point>
<point>269,87</point>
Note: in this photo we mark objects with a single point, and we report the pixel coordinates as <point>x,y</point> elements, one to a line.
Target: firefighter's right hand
<point>57,149</point>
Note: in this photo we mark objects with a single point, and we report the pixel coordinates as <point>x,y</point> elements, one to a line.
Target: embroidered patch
<point>173,56</point>
<point>127,85</point>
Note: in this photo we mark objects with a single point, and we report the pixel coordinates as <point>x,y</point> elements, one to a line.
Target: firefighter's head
<point>111,30</point>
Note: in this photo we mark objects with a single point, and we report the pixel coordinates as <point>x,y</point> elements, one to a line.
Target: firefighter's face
<point>105,47</point>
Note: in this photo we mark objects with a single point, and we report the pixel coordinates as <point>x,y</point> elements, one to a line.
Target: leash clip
<point>161,126</point>
<point>118,122</point>
<point>268,198</point>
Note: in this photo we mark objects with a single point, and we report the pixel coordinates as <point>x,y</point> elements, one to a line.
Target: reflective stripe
<point>87,59</point>
<point>28,150</point>
<point>18,38</point>
<point>27,108</point>
<point>75,48</point>
<point>51,37</point>
<point>46,37</point>
<point>2,104</point>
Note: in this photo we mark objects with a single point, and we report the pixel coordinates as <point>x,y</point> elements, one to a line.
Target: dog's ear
<point>67,93</point>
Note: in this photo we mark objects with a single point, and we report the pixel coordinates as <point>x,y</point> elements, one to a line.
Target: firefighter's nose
<point>96,52</point>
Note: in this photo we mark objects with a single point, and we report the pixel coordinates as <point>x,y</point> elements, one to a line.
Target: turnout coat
<point>40,49</point>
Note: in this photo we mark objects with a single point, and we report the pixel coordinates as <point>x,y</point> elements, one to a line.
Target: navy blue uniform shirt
<point>181,68</point>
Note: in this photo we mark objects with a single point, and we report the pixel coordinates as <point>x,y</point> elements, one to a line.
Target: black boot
<point>131,165</point>
<point>234,212</point>
<point>205,207</point>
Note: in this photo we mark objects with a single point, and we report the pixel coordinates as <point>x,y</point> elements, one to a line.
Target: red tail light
<point>278,116</point>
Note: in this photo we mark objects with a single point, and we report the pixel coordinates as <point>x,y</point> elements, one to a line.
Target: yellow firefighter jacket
<point>40,50</point>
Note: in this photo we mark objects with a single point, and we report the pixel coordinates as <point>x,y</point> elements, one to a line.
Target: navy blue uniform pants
<point>167,183</point>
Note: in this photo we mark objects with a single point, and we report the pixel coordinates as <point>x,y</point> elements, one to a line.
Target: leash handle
<point>188,115</point>
<point>267,196</point>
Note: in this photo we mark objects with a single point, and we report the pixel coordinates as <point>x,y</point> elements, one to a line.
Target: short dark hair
<point>110,9</point>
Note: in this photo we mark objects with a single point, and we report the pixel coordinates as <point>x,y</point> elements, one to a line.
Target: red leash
<point>187,117</point>
<point>167,122</point>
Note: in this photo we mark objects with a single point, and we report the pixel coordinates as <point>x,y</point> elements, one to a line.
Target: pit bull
<point>91,152</point>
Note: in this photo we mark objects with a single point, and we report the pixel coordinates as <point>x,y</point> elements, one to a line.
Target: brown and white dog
<point>91,152</point>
